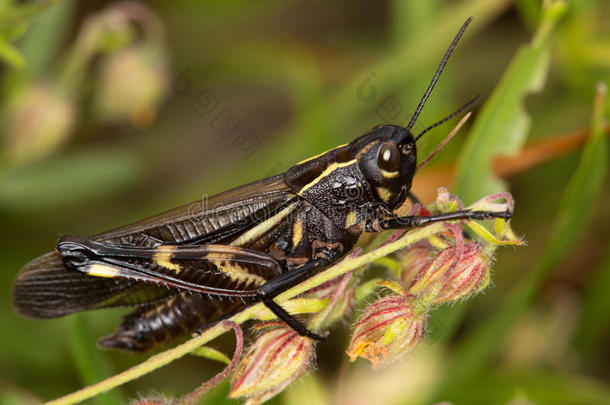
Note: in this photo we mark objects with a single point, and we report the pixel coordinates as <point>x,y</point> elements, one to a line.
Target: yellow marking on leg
<point>262,228</point>
<point>238,273</point>
<point>102,270</point>
<point>331,167</point>
<point>384,193</point>
<point>389,175</point>
<point>297,232</point>
<point>163,258</point>
<point>350,219</point>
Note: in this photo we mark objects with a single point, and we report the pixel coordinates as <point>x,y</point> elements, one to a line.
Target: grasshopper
<point>183,270</point>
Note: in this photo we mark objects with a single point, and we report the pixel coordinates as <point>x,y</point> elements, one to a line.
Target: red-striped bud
<point>450,278</point>
<point>414,260</point>
<point>276,359</point>
<point>389,328</point>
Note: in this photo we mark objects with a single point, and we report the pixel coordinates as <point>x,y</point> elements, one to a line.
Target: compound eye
<point>388,158</point>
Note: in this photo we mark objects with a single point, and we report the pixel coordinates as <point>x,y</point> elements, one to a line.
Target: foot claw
<point>320,337</point>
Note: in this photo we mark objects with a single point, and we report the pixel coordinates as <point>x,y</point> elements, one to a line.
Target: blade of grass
<point>10,55</point>
<point>502,126</point>
<point>410,18</point>
<point>46,36</point>
<point>595,311</point>
<point>476,350</point>
<point>501,129</point>
<point>23,12</point>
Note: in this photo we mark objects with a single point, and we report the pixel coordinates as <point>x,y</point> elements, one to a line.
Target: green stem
<point>170,355</point>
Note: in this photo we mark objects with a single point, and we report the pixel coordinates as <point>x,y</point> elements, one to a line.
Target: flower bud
<point>132,83</point>
<point>415,259</point>
<point>387,329</point>
<point>446,202</point>
<point>273,361</point>
<point>446,280</point>
<point>41,118</point>
<point>341,293</point>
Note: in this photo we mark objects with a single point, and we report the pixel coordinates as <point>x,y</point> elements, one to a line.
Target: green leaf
<point>474,353</point>
<point>58,181</point>
<point>89,361</point>
<point>411,18</point>
<point>46,36</point>
<point>211,354</point>
<point>502,126</point>
<point>595,310</point>
<point>23,13</point>
<point>365,290</point>
<point>10,54</point>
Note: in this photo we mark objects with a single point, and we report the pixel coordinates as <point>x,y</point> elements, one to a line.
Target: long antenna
<point>453,114</point>
<point>444,141</point>
<point>438,73</point>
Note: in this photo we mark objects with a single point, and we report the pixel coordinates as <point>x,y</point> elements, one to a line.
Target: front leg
<point>278,285</point>
<point>414,221</point>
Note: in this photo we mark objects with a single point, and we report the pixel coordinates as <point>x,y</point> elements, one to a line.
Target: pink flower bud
<point>40,120</point>
<point>341,293</point>
<point>132,84</point>
<point>387,329</point>
<point>447,202</point>
<point>273,361</point>
<point>446,280</point>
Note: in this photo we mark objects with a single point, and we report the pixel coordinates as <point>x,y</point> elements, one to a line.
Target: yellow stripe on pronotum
<point>331,167</point>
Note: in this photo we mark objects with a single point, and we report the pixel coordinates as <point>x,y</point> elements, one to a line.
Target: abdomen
<point>175,317</point>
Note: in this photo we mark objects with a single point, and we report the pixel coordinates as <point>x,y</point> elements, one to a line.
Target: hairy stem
<point>194,397</point>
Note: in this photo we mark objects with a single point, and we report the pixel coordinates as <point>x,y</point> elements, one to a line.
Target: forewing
<point>44,288</point>
<point>213,220</point>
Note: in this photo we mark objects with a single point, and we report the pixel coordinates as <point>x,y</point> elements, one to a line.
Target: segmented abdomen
<point>181,314</point>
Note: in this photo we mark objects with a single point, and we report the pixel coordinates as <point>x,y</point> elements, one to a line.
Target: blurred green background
<point>112,112</point>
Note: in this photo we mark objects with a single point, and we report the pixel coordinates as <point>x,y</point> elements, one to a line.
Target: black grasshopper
<point>184,269</point>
